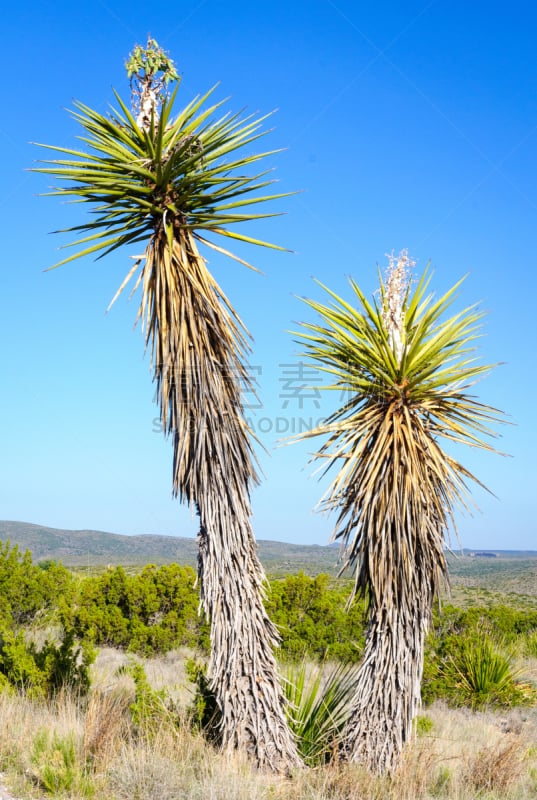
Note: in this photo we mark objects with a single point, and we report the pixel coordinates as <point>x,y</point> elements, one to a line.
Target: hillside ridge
<point>514,571</point>
<point>77,548</point>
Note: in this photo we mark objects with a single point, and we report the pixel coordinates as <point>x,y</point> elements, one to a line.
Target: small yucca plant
<point>407,369</point>
<point>486,672</point>
<point>319,701</point>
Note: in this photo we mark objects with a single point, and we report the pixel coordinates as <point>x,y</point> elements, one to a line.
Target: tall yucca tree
<point>406,368</point>
<point>171,179</point>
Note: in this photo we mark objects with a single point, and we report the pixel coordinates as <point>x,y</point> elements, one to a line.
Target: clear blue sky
<point>405,124</point>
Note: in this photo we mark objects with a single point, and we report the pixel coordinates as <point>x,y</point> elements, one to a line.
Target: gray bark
<point>198,350</point>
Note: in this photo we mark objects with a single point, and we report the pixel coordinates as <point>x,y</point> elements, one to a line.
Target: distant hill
<point>97,548</point>
<point>510,571</point>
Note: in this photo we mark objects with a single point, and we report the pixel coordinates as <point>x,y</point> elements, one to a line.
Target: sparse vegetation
<point>471,657</point>
<point>70,748</point>
<point>130,725</point>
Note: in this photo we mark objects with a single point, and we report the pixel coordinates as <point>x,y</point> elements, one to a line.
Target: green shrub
<point>56,766</point>
<point>65,663</point>
<point>313,621</point>
<point>501,621</point>
<point>148,613</point>
<point>18,668</point>
<point>423,725</point>
<point>43,671</point>
<point>27,592</point>
<point>442,783</point>
<point>151,708</point>
<point>204,711</point>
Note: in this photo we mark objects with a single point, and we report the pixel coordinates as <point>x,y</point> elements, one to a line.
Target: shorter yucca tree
<point>174,179</point>
<point>406,369</point>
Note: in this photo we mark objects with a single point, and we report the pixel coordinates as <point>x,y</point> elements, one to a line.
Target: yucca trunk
<point>401,570</point>
<point>242,667</point>
<point>198,349</point>
<point>388,687</point>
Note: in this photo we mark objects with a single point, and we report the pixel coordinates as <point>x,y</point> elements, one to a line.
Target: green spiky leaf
<point>395,486</point>
<point>182,173</point>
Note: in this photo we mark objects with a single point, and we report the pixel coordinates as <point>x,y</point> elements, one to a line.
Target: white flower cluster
<point>396,286</point>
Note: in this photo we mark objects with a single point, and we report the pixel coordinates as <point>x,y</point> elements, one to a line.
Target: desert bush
<point>65,662</point>
<point>18,668</point>
<point>107,723</point>
<point>33,604</point>
<point>43,671</point>
<point>486,673</point>
<point>423,725</point>
<point>501,621</point>
<point>313,621</point>
<point>56,767</point>
<point>157,610</point>
<point>203,710</point>
<point>148,613</point>
<point>496,768</point>
<point>27,592</point>
<point>151,708</point>
<point>442,782</point>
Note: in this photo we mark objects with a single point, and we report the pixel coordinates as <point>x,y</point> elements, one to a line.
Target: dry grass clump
<point>498,768</point>
<point>528,665</point>
<point>92,750</point>
<point>468,754</point>
<point>106,726</point>
<point>22,718</point>
<point>463,755</point>
<point>169,672</point>
<point>184,767</point>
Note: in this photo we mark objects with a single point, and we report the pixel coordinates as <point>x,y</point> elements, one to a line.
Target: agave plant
<point>175,179</point>
<point>406,368</point>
